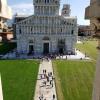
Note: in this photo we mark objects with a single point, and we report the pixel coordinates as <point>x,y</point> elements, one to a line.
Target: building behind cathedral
<point>46,31</point>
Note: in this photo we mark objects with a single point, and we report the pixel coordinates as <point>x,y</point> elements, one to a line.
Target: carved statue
<point>5,13</point>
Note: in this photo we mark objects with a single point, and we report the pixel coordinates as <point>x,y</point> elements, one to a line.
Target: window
<point>72,32</point>
<point>30,41</point>
<point>65,12</point>
<point>31,29</point>
<point>46,38</point>
<point>61,29</point>
<point>20,31</point>
<point>56,2</point>
<point>36,1</point>
<point>67,23</point>
<point>47,1</point>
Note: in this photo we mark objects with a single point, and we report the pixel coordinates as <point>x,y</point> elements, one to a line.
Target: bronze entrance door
<point>45,48</point>
<point>61,50</point>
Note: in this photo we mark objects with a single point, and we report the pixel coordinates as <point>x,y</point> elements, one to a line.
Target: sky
<point>77,8</point>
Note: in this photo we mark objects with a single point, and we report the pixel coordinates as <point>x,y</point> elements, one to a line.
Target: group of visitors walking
<point>47,82</point>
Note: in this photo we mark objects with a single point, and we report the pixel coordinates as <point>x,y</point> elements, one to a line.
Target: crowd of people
<point>47,82</point>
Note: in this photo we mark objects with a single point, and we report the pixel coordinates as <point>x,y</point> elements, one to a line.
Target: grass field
<point>18,78</point>
<point>88,47</point>
<point>74,79</point>
<point>6,47</point>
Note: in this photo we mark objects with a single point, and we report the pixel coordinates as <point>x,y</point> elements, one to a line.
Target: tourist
<point>40,98</point>
<point>44,76</point>
<point>81,58</point>
<point>53,96</point>
<point>48,74</point>
<point>45,71</point>
<point>85,55</point>
<point>52,78</point>
<point>45,83</point>
<point>51,73</point>
<point>41,76</point>
<point>50,82</point>
<point>47,79</point>
<point>66,57</point>
<point>42,59</point>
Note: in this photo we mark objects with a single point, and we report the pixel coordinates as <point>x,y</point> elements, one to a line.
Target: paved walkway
<point>77,56</point>
<point>45,87</point>
<point>1,93</point>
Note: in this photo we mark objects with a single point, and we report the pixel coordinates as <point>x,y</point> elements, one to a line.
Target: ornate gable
<point>27,21</point>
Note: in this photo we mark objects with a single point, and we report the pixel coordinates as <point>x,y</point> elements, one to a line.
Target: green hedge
<point>6,47</point>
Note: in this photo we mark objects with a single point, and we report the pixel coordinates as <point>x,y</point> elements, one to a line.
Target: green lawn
<point>89,47</point>
<point>6,47</point>
<point>19,78</point>
<point>74,79</point>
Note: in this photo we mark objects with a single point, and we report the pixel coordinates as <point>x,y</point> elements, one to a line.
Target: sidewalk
<point>79,55</point>
<point>45,87</point>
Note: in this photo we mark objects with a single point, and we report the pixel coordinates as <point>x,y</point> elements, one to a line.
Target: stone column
<point>49,10</point>
<point>40,10</point>
<point>43,10</point>
<point>54,43</point>
<point>30,30</point>
<point>23,29</point>
<point>96,88</point>
<point>1,93</point>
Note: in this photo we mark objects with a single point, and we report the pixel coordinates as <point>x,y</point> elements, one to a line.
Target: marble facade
<point>46,31</point>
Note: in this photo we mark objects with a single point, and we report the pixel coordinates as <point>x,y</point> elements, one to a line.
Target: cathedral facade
<point>47,32</point>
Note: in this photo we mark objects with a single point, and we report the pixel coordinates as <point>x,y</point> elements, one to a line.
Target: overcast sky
<point>77,8</point>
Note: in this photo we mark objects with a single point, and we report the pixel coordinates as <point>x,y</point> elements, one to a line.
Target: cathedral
<point>47,31</point>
